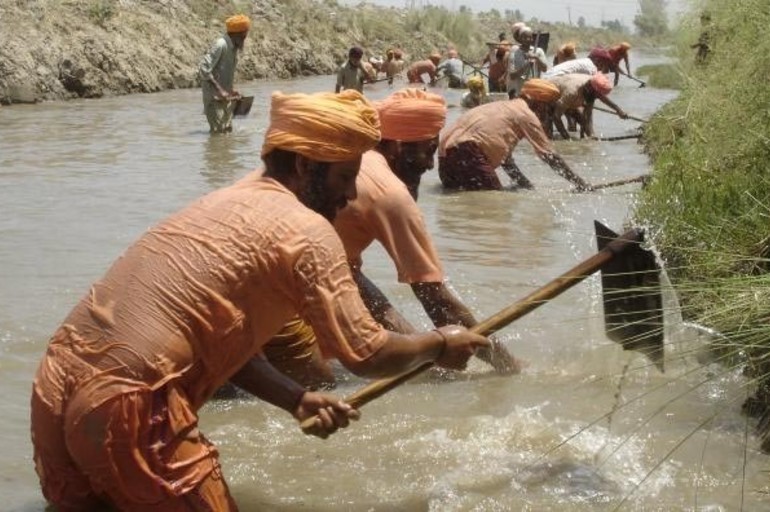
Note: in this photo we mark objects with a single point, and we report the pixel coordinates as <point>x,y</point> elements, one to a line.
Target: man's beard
<point>410,172</point>
<point>317,196</point>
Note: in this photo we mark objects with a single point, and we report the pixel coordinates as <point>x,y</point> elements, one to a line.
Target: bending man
<point>578,93</point>
<point>385,209</point>
<point>189,305</point>
<point>484,137</point>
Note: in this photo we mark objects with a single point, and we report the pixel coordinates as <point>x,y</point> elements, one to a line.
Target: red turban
<point>600,54</point>
<point>411,115</point>
<point>601,84</point>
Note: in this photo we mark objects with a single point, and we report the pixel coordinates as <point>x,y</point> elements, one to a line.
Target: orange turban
<point>237,23</point>
<point>540,90</point>
<point>325,127</point>
<point>411,115</point>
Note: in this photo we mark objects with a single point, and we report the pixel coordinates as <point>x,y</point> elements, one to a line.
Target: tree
<point>615,25</point>
<point>651,19</point>
<point>581,22</point>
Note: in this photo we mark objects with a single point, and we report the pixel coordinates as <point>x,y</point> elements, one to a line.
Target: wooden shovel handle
<point>601,109</point>
<point>502,318</point>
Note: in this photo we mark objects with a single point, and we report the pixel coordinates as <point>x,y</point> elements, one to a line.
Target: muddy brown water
<point>81,180</point>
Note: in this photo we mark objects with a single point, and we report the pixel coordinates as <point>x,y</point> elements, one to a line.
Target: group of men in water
<point>261,283</point>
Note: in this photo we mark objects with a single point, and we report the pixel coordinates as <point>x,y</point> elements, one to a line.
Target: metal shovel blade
<point>633,305</point>
<point>243,106</point>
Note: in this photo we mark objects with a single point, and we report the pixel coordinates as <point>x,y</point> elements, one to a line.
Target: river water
<point>82,179</point>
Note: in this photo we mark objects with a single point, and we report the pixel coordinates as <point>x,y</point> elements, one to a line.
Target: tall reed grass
<point>709,200</point>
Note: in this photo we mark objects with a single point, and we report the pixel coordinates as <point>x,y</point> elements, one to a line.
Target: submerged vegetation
<point>709,200</point>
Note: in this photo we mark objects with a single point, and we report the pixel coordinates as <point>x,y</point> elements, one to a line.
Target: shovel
<point>633,309</point>
<point>243,105</point>
<point>601,109</point>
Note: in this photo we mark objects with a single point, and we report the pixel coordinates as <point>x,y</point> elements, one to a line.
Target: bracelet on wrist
<point>443,345</point>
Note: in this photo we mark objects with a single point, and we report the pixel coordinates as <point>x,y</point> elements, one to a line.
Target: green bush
<point>101,11</point>
<point>709,200</point>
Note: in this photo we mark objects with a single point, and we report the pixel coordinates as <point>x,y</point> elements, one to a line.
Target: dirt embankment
<point>58,49</point>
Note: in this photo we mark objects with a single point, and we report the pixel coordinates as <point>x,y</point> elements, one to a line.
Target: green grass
<point>708,204</point>
<point>662,76</point>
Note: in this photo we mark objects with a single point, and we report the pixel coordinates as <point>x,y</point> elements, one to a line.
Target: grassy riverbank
<point>709,201</point>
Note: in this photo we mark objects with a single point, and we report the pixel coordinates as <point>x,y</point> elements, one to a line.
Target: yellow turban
<point>325,127</point>
<point>237,23</point>
<point>411,115</point>
<point>540,90</point>
<point>476,84</point>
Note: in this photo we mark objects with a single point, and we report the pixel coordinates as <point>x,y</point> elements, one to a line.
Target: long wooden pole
<point>642,83</point>
<point>620,137</point>
<point>617,183</point>
<point>504,317</point>
<point>601,109</point>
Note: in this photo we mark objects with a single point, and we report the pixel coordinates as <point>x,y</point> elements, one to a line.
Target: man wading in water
<point>188,307</point>
<point>386,210</point>
<point>484,137</point>
<point>217,72</point>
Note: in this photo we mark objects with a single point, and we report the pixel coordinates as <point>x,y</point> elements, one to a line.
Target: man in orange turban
<point>564,53</point>
<point>578,94</point>
<point>217,73</point>
<point>190,305</point>
<point>385,210</point>
<point>484,137</point>
<point>428,67</point>
<point>619,53</point>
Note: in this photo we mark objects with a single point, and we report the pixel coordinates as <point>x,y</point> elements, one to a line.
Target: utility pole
<point>569,15</point>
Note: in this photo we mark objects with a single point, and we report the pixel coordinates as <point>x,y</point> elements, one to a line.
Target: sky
<point>594,11</point>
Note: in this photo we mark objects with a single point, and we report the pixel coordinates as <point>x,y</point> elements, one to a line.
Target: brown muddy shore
<point>59,49</point>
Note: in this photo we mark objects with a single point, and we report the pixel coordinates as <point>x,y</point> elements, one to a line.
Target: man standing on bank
<point>188,307</point>
<point>217,72</point>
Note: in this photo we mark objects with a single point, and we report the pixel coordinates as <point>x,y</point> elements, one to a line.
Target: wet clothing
<point>571,87</point>
<point>394,67</point>
<point>419,68</point>
<point>497,71</point>
<point>584,66</point>
<point>384,211</point>
<point>470,100</point>
<point>466,167</point>
<point>219,63</point>
<point>519,58</point>
<point>617,54</point>
<point>351,77</point>
<point>495,129</point>
<point>115,398</point>
<point>453,70</point>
